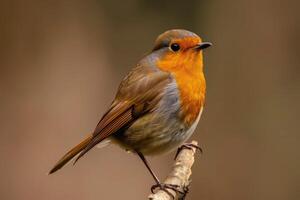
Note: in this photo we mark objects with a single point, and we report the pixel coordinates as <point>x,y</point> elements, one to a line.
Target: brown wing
<point>138,94</point>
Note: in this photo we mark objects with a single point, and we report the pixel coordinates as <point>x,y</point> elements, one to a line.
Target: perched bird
<point>158,104</point>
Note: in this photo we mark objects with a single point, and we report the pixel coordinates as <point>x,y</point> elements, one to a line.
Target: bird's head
<point>179,50</point>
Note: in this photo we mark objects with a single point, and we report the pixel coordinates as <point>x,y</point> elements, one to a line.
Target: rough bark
<point>179,175</point>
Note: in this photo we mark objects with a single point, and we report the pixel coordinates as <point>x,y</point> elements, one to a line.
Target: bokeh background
<point>61,63</point>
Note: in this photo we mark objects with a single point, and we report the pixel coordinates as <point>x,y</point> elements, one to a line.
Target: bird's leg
<point>148,167</point>
<point>187,146</point>
<point>158,184</point>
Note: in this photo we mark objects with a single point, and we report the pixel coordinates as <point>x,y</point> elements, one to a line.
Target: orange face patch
<point>187,67</point>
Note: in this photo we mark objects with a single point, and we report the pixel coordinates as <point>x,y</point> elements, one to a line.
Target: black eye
<point>175,47</point>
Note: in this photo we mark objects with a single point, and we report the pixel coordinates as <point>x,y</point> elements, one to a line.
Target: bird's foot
<point>175,188</point>
<point>188,146</point>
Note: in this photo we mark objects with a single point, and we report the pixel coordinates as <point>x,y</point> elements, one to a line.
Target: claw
<point>188,146</point>
<point>173,187</point>
<point>185,190</point>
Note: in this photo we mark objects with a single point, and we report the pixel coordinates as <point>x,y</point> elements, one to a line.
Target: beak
<point>203,45</point>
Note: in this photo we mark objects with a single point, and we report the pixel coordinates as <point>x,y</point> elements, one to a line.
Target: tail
<point>68,156</point>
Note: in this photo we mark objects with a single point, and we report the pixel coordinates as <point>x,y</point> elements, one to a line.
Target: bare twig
<point>179,175</point>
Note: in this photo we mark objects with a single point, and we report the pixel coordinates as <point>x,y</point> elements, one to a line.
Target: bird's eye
<point>175,47</point>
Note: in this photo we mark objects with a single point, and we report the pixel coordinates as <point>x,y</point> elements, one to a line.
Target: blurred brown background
<point>61,63</point>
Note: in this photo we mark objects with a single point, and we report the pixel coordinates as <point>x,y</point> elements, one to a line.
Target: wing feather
<point>138,94</point>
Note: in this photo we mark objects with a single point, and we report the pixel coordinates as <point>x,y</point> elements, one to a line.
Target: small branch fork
<point>180,174</point>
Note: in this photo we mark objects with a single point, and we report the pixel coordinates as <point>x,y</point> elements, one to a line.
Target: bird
<point>158,104</point>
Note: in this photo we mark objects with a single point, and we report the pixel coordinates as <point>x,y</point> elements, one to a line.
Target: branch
<point>179,175</point>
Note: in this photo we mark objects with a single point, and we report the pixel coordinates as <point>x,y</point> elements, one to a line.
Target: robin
<point>158,104</point>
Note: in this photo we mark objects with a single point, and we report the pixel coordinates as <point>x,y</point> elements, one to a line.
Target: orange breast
<point>192,96</point>
<point>187,68</point>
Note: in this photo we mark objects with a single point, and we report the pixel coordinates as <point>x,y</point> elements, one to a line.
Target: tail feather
<point>68,156</point>
<point>88,147</point>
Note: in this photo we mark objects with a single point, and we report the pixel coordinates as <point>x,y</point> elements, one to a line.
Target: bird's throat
<point>187,70</point>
